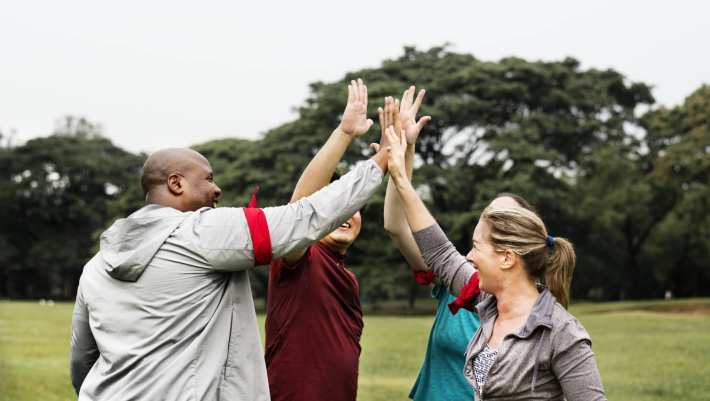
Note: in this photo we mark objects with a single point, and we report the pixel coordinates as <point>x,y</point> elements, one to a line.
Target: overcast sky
<point>169,73</point>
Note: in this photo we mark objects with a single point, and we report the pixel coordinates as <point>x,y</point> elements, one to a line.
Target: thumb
<point>422,122</point>
<point>369,123</point>
<point>375,147</point>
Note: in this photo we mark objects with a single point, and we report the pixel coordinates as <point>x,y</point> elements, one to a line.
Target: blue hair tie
<point>550,241</point>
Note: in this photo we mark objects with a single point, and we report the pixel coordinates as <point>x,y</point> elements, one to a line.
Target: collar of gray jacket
<point>540,315</point>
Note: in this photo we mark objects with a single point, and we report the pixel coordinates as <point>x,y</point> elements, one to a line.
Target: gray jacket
<point>164,310</point>
<point>550,358</point>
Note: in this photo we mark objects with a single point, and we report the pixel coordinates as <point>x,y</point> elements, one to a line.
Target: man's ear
<point>508,259</point>
<point>175,184</point>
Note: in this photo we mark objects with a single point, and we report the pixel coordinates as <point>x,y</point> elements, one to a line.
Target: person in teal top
<point>441,375</point>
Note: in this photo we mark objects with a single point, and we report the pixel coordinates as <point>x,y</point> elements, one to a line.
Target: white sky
<point>170,73</point>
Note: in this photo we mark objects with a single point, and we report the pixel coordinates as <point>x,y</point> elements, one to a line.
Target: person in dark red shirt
<point>313,315</point>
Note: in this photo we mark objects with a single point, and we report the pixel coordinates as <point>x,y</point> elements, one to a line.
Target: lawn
<point>645,351</point>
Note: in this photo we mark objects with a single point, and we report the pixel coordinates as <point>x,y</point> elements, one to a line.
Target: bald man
<point>164,310</point>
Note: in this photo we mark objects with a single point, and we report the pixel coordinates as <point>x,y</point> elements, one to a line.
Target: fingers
<point>384,115</point>
<point>350,94</point>
<point>388,111</point>
<point>408,97</point>
<point>381,116</point>
<point>395,116</point>
<point>422,122</point>
<point>395,138</point>
<point>418,100</point>
<point>391,137</point>
<point>363,92</point>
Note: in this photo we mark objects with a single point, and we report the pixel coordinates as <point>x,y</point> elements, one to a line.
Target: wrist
<point>380,159</point>
<point>344,134</point>
<point>401,181</point>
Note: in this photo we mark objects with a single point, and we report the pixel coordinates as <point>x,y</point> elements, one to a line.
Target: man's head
<point>180,178</point>
<point>345,235</point>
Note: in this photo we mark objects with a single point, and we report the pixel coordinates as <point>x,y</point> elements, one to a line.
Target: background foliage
<point>625,179</point>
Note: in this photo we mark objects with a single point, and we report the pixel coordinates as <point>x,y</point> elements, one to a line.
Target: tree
<point>633,189</point>
<point>56,191</point>
<point>513,125</point>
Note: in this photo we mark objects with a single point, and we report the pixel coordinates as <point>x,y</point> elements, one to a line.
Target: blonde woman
<point>528,346</point>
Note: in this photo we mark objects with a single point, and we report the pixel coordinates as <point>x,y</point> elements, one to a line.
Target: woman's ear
<point>175,184</point>
<point>508,259</point>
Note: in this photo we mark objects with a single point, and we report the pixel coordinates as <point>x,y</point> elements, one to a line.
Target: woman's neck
<point>516,300</point>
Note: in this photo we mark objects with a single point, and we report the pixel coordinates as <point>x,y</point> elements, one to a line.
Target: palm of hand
<point>354,120</point>
<point>409,126</point>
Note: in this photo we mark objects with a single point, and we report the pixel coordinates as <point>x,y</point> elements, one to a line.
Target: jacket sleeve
<point>84,351</point>
<point>574,365</point>
<point>446,262</point>
<point>223,238</point>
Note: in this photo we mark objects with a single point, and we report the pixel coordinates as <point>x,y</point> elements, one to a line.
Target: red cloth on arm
<point>313,328</point>
<point>259,231</point>
<point>424,277</point>
<point>466,296</point>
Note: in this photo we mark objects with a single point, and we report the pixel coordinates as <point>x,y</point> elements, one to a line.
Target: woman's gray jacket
<point>550,358</point>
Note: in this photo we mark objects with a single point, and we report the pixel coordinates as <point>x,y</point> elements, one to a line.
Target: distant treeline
<point>626,180</point>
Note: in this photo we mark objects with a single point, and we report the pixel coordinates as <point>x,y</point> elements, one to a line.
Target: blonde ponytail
<point>558,269</point>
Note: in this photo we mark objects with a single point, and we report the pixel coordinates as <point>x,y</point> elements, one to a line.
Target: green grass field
<point>645,351</point>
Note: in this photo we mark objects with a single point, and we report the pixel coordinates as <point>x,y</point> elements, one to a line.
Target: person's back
<point>164,311</point>
<point>181,323</point>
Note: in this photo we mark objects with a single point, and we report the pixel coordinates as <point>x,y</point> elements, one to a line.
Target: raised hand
<point>355,121</point>
<point>389,116</point>
<point>396,147</point>
<point>408,113</point>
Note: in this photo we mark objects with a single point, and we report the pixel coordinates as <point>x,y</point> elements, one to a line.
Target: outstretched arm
<point>222,236</point>
<point>395,220</point>
<point>418,216</point>
<point>320,170</point>
<point>437,251</point>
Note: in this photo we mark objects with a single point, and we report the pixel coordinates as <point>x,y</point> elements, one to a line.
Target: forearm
<point>301,223</point>
<point>409,250</point>
<point>320,169</point>
<point>394,217</point>
<point>80,365</point>
<point>223,235</point>
<point>395,220</point>
<point>418,216</point>
<point>84,351</point>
